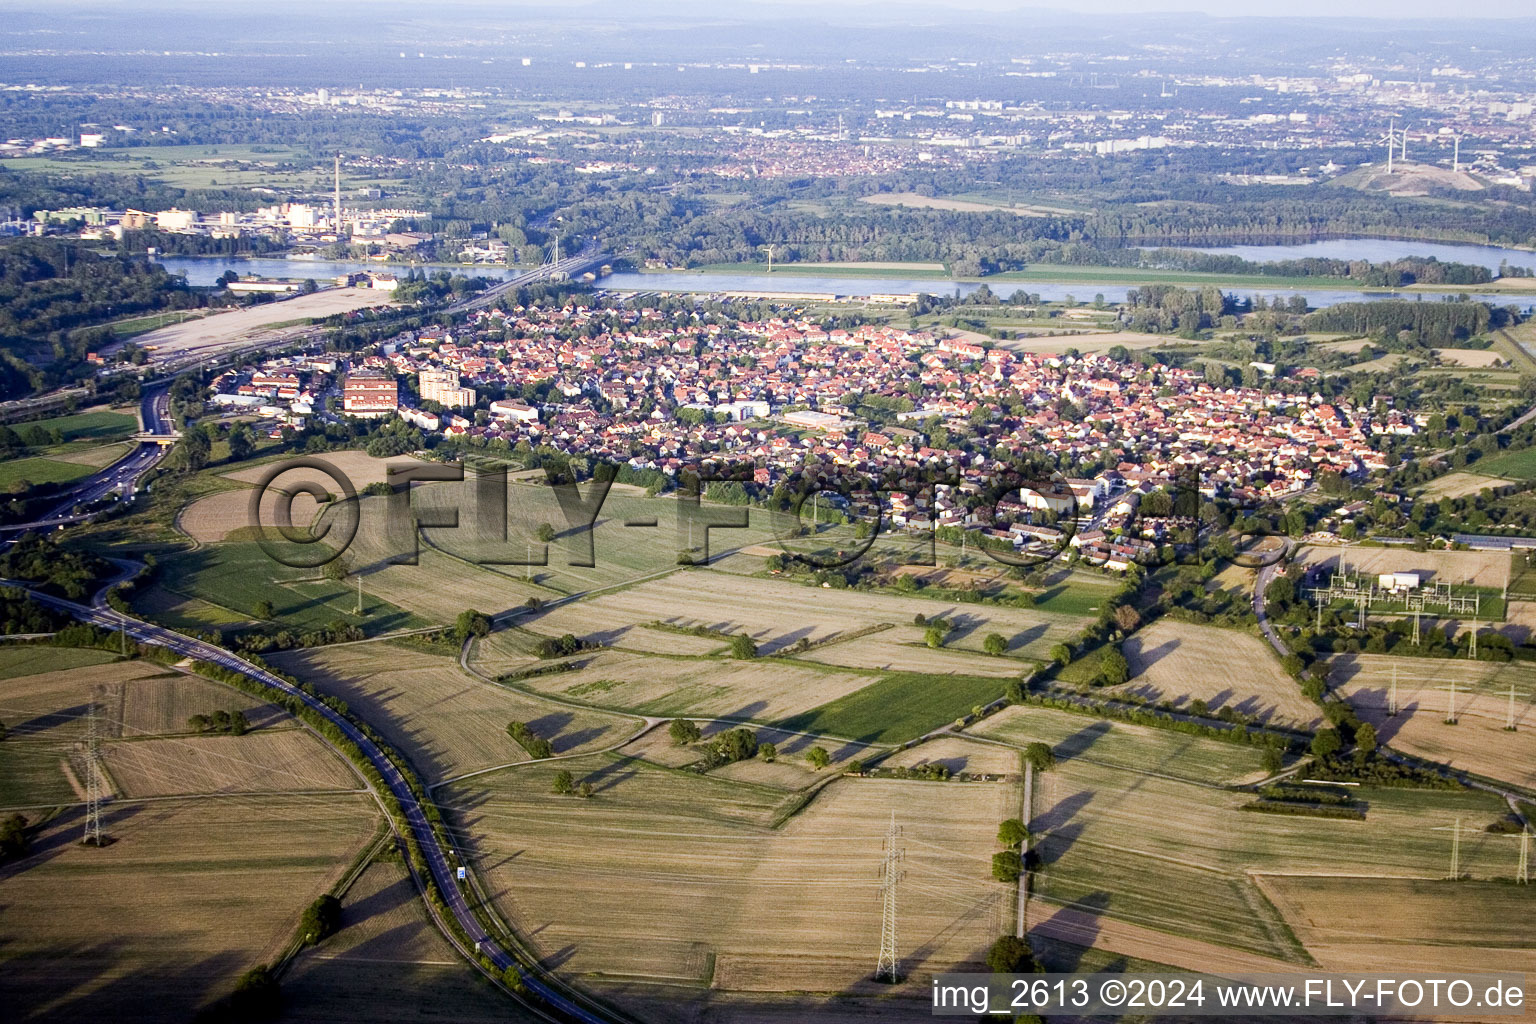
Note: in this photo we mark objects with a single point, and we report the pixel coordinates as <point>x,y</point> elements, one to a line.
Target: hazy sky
<point>1233,8</point>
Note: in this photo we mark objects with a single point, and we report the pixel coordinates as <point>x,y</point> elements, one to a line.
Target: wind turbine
<point>1391,139</point>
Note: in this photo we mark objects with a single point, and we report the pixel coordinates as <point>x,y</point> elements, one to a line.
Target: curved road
<point>442,871</point>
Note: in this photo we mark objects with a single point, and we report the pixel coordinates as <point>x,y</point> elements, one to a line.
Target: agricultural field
<point>26,660</point>
<point>1409,925</point>
<point>266,761</point>
<point>719,852</point>
<point>1475,357</point>
<point>1130,749</point>
<point>1515,464</point>
<point>922,202</point>
<point>1478,743</point>
<point>1458,485</point>
<point>187,897</point>
<point>143,722</point>
<point>1172,856</point>
<point>959,754</point>
<point>900,707</point>
<point>445,721</point>
<point>778,613</point>
<point>389,962</point>
<point>238,575</point>
<point>763,690</point>
<point>1181,662</point>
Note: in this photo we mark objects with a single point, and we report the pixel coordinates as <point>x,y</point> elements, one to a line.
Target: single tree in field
<point>1012,833</point>
<point>1113,666</point>
<point>1061,654</point>
<point>743,647</point>
<point>239,725</point>
<point>13,837</point>
<point>1274,758</point>
<point>684,732</point>
<point>933,636</point>
<point>470,623</point>
<point>221,721</point>
<point>995,644</point>
<point>1326,743</point>
<point>1006,866</point>
<point>263,609</point>
<point>767,751</point>
<point>337,568</point>
<point>818,757</point>
<point>1011,955</point>
<point>1127,618</point>
<point>564,784</point>
<point>584,790</point>
<point>321,918</point>
<point>198,723</point>
<point>1041,756</point>
<point>1365,739</point>
<point>546,533</point>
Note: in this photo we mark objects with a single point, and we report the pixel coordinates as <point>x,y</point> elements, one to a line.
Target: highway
<point>122,476</point>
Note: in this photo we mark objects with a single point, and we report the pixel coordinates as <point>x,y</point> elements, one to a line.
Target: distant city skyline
<point>1369,9</point>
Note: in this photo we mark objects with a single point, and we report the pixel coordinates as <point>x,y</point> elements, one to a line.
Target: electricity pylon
<point>1455,831</point>
<point>1509,718</point>
<point>886,967</point>
<point>93,780</point>
<point>1450,714</point>
<point>1392,701</point>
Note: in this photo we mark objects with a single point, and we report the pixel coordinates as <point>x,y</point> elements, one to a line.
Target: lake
<point>207,270</point>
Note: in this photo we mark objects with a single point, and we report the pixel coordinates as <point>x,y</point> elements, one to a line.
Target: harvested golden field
<point>1407,925</point>
<point>215,516</point>
<point>160,704</point>
<point>958,754</point>
<point>1181,662</point>
<point>922,202</point>
<point>1478,743</point>
<point>445,721</point>
<point>359,467</point>
<point>46,714</point>
<point>1458,485</point>
<point>1469,356</point>
<point>682,840</point>
<point>389,962</point>
<point>1482,568</point>
<point>1132,749</point>
<point>777,613</point>
<point>268,761</point>
<point>190,895</point>
<point>902,650</point>
<point>1090,341</point>
<point>767,690</point>
<point>1172,856</point>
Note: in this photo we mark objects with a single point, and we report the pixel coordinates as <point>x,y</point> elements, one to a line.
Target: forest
<point>54,294</point>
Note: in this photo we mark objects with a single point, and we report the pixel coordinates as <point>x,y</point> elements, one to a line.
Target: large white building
<point>441,385</point>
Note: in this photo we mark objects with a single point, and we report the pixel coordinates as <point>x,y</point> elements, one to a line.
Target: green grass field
<point>239,575</point>
<point>29,660</point>
<point>1519,464</point>
<point>41,471</point>
<point>97,425</point>
<point>899,707</point>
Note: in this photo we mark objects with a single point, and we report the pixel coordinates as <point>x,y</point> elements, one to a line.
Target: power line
<point>886,966</point>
